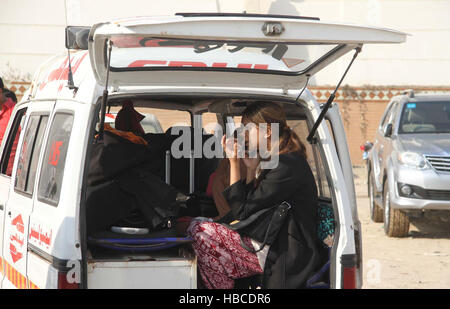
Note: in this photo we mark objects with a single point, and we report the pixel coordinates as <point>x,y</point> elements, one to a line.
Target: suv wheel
<point>376,213</point>
<point>396,222</point>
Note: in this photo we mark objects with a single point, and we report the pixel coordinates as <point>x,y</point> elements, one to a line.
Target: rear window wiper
<point>330,100</point>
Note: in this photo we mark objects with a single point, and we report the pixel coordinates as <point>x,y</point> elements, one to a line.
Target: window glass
<point>156,120</point>
<point>9,152</point>
<point>36,152</point>
<point>425,117</point>
<point>131,53</point>
<point>209,122</point>
<point>29,153</point>
<point>386,116</point>
<point>314,157</point>
<point>52,170</point>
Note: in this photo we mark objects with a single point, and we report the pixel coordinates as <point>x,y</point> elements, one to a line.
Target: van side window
<point>52,170</point>
<point>29,153</point>
<point>313,156</point>
<point>9,151</point>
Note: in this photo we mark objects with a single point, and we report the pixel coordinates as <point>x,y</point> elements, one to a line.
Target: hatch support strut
<point>105,95</point>
<point>330,100</point>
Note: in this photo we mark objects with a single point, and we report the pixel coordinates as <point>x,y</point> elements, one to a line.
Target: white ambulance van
<point>195,63</point>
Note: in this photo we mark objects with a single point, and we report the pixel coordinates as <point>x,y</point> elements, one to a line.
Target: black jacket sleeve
<point>276,186</point>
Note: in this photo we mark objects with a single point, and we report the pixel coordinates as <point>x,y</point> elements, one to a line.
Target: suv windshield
<point>425,117</point>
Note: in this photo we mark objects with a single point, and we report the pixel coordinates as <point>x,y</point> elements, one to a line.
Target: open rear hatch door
<point>224,51</point>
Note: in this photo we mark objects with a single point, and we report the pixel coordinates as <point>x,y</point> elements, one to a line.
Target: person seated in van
<point>294,256</point>
<point>128,119</point>
<point>218,181</point>
<point>127,124</point>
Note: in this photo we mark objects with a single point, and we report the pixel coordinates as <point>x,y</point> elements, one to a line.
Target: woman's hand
<point>231,148</point>
<point>231,151</point>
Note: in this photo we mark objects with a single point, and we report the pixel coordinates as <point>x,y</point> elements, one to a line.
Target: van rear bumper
<point>160,273</point>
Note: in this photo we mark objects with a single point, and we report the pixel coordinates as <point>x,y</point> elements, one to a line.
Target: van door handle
<point>9,213</point>
<point>1,207</point>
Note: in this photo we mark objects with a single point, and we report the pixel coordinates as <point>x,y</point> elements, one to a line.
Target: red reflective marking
<point>18,222</point>
<point>244,66</point>
<point>219,65</point>
<point>186,64</point>
<point>261,66</point>
<point>14,254</point>
<point>55,153</point>
<point>62,72</point>
<point>141,63</point>
<point>34,234</point>
<point>17,239</point>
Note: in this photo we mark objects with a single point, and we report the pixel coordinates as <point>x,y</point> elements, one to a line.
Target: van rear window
<point>54,161</point>
<point>130,53</point>
<point>314,158</point>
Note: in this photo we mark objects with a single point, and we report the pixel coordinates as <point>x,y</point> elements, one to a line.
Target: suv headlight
<point>412,159</point>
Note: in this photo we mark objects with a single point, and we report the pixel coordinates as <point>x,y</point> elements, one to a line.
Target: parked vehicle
<point>409,164</point>
<point>194,63</point>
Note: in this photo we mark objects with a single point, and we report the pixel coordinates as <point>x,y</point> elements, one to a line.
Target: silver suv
<point>409,163</point>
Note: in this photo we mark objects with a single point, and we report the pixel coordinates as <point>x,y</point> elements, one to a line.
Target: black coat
<point>294,256</point>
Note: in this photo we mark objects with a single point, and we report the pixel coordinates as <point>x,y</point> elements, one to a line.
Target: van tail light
<point>348,262</point>
<point>63,281</point>
<point>349,278</point>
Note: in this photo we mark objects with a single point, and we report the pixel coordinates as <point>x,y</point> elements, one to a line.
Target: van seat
<point>203,167</point>
<point>154,241</point>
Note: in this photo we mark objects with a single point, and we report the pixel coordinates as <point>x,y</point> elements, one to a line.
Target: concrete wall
<point>423,60</point>
<point>32,31</point>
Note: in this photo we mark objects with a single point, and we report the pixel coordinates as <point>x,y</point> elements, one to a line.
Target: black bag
<point>106,203</point>
<point>159,202</point>
<point>133,191</point>
<point>114,155</point>
<point>273,218</point>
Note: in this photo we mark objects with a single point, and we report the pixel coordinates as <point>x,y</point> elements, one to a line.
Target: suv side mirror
<point>388,130</point>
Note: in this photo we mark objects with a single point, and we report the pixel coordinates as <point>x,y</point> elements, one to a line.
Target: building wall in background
<point>32,33</point>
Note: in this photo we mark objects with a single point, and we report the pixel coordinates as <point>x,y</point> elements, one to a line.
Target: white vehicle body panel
<point>160,274</point>
<point>63,222</point>
<point>5,187</point>
<point>228,29</point>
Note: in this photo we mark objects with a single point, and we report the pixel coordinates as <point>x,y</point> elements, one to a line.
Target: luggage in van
<point>134,212</point>
<point>114,154</point>
<point>124,183</point>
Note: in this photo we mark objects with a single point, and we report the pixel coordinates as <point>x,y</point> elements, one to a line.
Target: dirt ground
<point>419,261</point>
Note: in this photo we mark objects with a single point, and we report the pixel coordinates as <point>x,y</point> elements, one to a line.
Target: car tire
<point>396,222</point>
<point>376,212</point>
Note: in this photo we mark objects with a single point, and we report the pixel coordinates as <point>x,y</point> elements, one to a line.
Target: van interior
<point>132,238</point>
